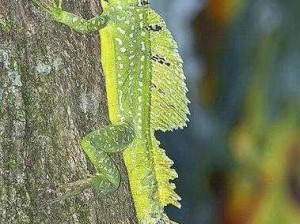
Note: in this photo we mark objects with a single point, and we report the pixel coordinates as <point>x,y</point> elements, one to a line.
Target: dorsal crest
<point>126,2</point>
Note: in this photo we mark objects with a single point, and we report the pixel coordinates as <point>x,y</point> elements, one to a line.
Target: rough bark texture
<point>51,94</point>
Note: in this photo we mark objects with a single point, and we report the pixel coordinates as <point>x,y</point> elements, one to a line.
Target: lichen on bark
<point>51,94</point>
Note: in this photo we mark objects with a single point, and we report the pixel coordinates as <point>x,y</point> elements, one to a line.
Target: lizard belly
<point>108,64</point>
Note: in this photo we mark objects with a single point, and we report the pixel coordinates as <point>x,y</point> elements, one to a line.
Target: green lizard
<point>146,92</point>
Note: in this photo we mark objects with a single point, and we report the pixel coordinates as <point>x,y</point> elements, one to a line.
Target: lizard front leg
<point>75,22</point>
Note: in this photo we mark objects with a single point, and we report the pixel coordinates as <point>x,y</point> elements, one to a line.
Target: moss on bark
<point>51,94</point>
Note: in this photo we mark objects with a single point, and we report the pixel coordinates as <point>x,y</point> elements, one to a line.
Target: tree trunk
<point>51,95</point>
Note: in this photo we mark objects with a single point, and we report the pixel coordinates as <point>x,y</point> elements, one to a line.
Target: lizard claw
<point>54,8</point>
<point>60,4</point>
<point>49,7</point>
<point>91,182</point>
<point>71,190</point>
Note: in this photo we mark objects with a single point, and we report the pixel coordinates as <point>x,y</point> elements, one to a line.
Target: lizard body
<point>146,92</point>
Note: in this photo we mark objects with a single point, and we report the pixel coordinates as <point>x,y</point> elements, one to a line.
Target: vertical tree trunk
<point>51,95</point>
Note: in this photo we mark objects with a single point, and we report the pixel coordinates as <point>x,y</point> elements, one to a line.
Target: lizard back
<point>145,85</point>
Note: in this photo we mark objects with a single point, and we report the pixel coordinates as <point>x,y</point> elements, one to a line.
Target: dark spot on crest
<point>160,60</point>
<point>161,91</point>
<point>153,86</point>
<point>144,3</point>
<point>155,28</point>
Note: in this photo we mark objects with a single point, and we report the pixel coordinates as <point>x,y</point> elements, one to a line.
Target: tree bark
<point>51,94</point>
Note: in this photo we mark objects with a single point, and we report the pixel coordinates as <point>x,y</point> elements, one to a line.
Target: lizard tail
<point>150,176</point>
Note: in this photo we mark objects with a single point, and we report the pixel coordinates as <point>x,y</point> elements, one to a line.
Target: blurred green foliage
<point>239,159</point>
<point>251,86</point>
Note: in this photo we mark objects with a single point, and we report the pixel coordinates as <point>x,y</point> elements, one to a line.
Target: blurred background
<point>239,159</point>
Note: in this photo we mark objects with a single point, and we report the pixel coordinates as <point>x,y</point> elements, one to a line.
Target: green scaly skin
<point>146,92</point>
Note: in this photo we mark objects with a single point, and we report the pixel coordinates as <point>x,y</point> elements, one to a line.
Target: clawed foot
<point>54,8</point>
<point>98,182</point>
<point>72,189</point>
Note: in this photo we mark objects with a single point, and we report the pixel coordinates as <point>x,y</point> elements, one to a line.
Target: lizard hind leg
<point>97,145</point>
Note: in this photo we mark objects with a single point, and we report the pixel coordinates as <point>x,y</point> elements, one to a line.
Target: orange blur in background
<point>263,187</point>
